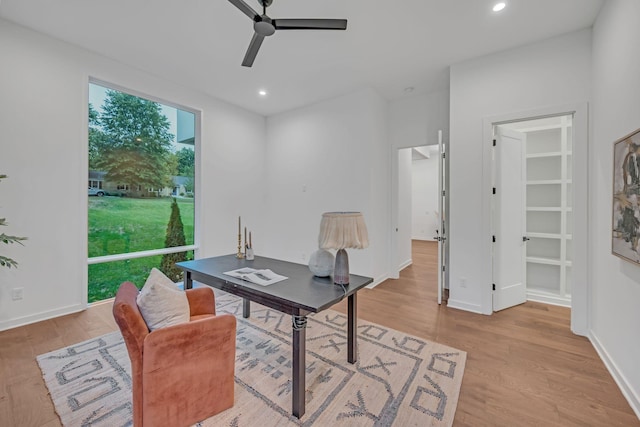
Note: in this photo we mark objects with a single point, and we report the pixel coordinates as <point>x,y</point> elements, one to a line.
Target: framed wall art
<point>626,198</point>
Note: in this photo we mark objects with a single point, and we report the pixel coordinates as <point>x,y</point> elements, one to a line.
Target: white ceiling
<point>388,45</point>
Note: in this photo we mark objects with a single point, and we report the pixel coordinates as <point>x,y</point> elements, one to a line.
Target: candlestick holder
<point>239,254</point>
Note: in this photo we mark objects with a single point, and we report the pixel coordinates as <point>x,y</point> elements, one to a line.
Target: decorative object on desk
<point>264,277</point>
<point>248,251</point>
<point>626,194</point>
<point>321,263</point>
<point>239,254</point>
<point>342,230</point>
<point>417,385</point>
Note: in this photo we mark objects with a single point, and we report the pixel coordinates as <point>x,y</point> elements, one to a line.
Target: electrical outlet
<point>304,256</point>
<point>16,294</point>
<point>463,282</point>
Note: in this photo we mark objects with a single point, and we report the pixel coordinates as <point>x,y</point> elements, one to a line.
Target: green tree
<point>97,138</point>
<point>186,159</point>
<point>175,237</point>
<point>136,147</point>
<point>6,239</point>
<point>189,184</point>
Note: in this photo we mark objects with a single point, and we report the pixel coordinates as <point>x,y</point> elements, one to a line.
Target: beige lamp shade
<point>341,230</point>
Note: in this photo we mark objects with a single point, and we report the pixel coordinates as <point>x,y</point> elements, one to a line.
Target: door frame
<point>394,268</point>
<point>580,278</point>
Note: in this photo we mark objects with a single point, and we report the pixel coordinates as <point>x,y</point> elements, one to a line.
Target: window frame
<point>196,147</point>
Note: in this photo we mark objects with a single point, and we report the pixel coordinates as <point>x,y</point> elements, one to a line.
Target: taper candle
<point>245,237</point>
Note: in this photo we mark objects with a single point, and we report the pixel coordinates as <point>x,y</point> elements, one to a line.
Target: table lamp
<point>342,230</point>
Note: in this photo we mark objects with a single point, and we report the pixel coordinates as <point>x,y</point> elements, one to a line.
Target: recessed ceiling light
<point>499,6</point>
<point>262,92</point>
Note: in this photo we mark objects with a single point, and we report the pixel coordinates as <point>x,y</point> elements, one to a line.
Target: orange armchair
<point>180,374</point>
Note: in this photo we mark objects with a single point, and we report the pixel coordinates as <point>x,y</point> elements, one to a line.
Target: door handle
<point>525,238</point>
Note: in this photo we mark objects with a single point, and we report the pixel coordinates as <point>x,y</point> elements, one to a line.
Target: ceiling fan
<point>264,26</point>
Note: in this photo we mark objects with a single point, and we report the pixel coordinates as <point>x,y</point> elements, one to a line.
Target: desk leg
<point>188,282</point>
<point>352,328</point>
<point>246,308</point>
<point>299,364</point>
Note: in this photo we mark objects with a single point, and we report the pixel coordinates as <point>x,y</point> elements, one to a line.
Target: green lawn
<point>120,225</point>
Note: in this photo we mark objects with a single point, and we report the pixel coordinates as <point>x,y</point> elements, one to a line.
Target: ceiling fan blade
<point>245,8</point>
<point>252,51</point>
<point>310,24</point>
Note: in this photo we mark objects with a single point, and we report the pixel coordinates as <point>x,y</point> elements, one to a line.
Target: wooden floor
<point>524,366</point>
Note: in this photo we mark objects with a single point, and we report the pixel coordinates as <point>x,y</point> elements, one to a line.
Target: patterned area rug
<point>398,380</point>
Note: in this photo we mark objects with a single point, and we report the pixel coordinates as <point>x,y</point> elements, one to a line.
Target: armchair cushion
<point>161,303</point>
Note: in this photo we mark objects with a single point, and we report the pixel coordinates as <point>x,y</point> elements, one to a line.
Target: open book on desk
<point>259,277</point>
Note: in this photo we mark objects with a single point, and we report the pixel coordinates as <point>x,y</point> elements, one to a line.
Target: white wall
<point>329,156</point>
<point>43,149</point>
<point>550,73</point>
<point>425,215</point>
<point>405,191</point>
<point>415,120</point>
<point>615,284</point>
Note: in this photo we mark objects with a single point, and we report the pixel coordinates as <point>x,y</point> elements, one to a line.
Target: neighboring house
<point>181,187</point>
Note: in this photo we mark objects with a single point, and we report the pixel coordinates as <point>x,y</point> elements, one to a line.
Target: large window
<point>142,159</point>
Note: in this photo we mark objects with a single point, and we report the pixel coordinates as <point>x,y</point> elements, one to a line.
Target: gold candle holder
<point>239,254</point>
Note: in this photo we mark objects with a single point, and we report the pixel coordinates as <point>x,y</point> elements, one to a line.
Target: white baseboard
<point>461,305</point>
<point>38,317</point>
<point>377,281</point>
<point>623,384</point>
<point>546,298</point>
<point>405,264</point>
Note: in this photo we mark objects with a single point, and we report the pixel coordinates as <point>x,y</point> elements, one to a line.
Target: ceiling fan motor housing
<point>264,27</point>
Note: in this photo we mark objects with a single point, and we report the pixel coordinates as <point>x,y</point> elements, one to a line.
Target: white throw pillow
<point>161,303</point>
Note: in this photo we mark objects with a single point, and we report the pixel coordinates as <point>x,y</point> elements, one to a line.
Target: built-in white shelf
<point>544,182</point>
<point>548,209</point>
<point>549,182</point>
<point>548,261</point>
<point>543,209</point>
<point>547,297</point>
<point>546,154</point>
<point>541,260</point>
<point>544,235</point>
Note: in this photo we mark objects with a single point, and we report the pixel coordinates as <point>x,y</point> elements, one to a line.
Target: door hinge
<point>494,190</point>
<point>443,268</point>
<point>494,142</point>
<point>494,239</point>
<point>494,286</point>
<point>444,193</point>
<point>444,155</point>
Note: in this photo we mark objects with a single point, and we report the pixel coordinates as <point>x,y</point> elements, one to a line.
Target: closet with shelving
<point>548,208</point>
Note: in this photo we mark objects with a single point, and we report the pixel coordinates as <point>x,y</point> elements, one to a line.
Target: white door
<point>509,220</point>
<point>441,237</point>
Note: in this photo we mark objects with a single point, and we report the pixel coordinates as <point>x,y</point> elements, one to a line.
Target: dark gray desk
<point>302,293</point>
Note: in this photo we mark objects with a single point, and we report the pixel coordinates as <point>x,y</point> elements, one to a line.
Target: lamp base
<point>341,268</point>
